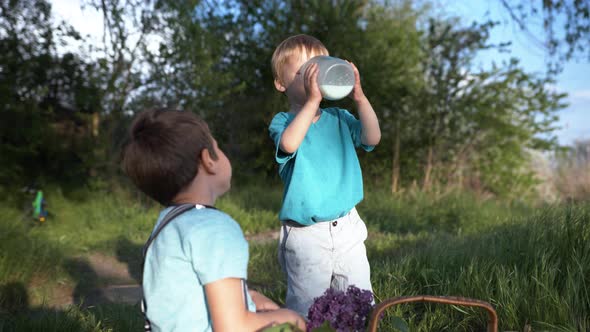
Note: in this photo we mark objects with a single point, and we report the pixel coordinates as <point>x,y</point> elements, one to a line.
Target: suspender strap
<point>175,212</point>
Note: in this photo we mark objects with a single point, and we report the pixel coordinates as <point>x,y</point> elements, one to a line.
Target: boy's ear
<point>207,162</point>
<point>279,86</point>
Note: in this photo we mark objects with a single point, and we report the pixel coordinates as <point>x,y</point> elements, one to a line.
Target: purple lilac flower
<point>344,311</point>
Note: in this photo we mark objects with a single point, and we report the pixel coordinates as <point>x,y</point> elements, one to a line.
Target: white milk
<point>334,92</point>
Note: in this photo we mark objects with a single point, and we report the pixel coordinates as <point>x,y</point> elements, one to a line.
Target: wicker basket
<point>380,308</point>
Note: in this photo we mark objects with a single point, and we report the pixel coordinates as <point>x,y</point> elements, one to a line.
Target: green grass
<point>535,270</point>
<point>532,263</point>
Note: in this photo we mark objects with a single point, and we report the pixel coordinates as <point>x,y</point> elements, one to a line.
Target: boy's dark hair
<point>163,150</point>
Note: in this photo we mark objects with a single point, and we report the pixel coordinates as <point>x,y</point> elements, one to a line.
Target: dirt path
<point>110,269</point>
<point>105,279</point>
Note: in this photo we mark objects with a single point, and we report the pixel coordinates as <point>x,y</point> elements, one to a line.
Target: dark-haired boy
<point>194,273</point>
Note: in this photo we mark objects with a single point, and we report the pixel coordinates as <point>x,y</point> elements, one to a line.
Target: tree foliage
<point>47,97</point>
<point>445,122</point>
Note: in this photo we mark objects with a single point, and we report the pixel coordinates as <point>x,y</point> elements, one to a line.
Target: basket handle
<point>380,308</point>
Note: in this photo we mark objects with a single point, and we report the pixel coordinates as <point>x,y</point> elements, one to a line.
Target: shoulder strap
<point>175,212</point>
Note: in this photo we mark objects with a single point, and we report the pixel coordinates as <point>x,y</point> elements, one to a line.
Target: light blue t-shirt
<point>322,179</point>
<point>196,248</point>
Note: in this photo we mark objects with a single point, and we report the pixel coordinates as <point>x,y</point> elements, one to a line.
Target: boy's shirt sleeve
<point>355,128</point>
<point>219,251</point>
<point>277,126</point>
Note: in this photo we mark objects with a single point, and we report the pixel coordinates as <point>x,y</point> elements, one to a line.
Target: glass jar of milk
<point>335,76</point>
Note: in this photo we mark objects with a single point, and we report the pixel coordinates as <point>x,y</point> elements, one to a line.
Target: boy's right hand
<point>310,83</point>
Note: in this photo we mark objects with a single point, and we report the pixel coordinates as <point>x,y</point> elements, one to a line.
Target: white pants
<point>329,254</point>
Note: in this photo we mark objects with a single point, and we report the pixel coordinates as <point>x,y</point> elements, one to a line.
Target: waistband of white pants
<point>293,223</point>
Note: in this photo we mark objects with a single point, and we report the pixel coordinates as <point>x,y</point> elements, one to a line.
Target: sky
<point>574,80</point>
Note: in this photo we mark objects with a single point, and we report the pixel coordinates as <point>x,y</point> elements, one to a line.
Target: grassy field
<point>531,263</point>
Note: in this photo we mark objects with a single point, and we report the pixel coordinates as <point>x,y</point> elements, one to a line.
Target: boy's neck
<point>296,108</point>
<point>196,193</point>
<point>187,198</point>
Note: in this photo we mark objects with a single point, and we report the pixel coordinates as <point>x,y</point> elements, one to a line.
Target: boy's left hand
<point>357,93</point>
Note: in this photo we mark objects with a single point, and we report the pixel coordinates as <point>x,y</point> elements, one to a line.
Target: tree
<point>390,71</point>
<point>474,125</point>
<point>46,97</point>
<point>444,121</point>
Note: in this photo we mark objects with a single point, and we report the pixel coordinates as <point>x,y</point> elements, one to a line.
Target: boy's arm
<point>262,302</point>
<point>371,133</point>
<point>297,129</point>
<point>225,299</point>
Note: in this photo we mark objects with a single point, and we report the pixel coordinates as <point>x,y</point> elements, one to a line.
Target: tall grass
<point>532,263</point>
<point>454,213</point>
<point>535,270</point>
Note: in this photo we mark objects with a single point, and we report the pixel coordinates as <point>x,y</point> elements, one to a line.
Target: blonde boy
<point>322,236</point>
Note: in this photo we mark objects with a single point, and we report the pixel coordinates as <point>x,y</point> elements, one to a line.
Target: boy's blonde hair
<point>294,45</point>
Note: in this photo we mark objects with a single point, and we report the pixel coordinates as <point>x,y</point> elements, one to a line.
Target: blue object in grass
<point>344,311</point>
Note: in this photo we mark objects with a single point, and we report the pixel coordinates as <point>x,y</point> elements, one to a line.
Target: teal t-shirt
<point>196,248</point>
<point>322,179</point>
